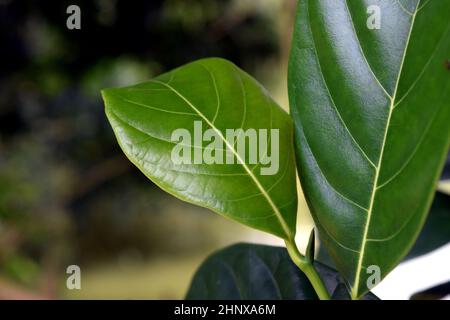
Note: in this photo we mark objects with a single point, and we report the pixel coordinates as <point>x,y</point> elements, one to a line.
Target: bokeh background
<point>67,193</point>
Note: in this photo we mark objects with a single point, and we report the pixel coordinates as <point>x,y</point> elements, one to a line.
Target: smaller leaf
<point>341,293</point>
<point>204,100</point>
<point>256,272</point>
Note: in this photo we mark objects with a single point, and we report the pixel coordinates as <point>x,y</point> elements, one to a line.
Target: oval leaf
<point>372,123</point>
<point>257,272</point>
<point>211,94</point>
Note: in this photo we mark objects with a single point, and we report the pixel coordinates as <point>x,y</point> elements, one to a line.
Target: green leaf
<point>434,234</point>
<point>434,293</point>
<point>256,272</point>
<point>340,293</point>
<point>217,95</point>
<point>436,231</point>
<point>372,124</point>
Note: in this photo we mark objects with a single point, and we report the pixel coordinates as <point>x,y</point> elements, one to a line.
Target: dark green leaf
<point>372,115</point>
<point>248,271</point>
<point>341,293</point>
<point>434,293</point>
<point>219,96</point>
<point>436,231</point>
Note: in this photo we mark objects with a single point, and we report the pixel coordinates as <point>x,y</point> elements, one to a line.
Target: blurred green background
<point>67,193</point>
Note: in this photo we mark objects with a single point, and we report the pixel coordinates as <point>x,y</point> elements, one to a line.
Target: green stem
<point>307,267</point>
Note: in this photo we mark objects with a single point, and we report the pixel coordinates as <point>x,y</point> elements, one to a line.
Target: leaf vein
<point>255,180</point>
<point>363,54</point>
<point>328,182</point>
<point>157,109</point>
<point>334,104</point>
<point>215,89</point>
<point>355,286</point>
<point>424,68</point>
<point>411,156</point>
<point>403,8</point>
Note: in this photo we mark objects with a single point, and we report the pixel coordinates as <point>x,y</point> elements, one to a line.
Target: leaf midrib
<point>238,157</point>
<point>354,291</point>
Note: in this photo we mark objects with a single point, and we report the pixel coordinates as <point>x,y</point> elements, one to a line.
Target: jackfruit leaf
<point>369,89</point>
<point>258,272</point>
<point>181,130</point>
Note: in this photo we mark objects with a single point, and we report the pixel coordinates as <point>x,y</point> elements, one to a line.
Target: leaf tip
<point>107,97</point>
<point>310,248</point>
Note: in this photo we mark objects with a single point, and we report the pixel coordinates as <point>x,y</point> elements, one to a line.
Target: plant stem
<point>307,267</point>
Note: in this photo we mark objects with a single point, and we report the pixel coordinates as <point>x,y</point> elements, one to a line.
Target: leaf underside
<point>371,110</point>
<point>220,96</point>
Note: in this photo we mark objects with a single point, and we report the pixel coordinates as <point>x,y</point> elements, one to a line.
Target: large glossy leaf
<point>435,233</point>
<point>220,96</point>
<point>258,272</point>
<point>371,109</point>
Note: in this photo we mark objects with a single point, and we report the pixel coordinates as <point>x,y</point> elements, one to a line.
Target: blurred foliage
<point>67,194</point>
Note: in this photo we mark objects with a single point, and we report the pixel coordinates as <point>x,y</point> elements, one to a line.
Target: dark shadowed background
<point>67,193</point>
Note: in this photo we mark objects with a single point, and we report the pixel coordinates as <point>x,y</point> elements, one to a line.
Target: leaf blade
<point>354,93</point>
<point>221,97</point>
<point>256,272</point>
